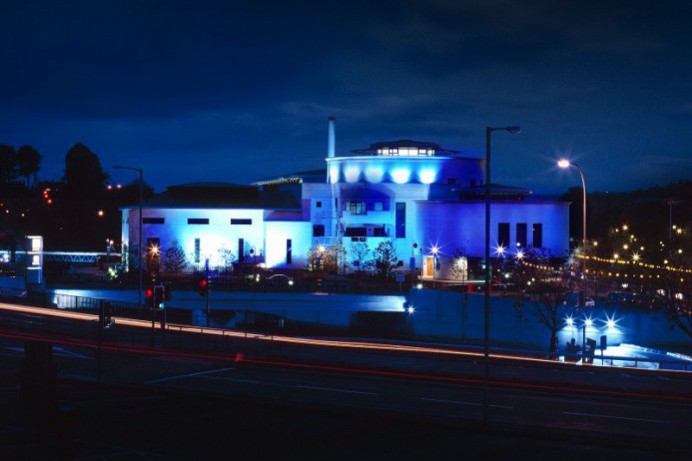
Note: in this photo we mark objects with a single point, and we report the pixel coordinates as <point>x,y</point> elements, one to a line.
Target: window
<point>472,183</point>
<point>538,235</point>
<point>358,239</point>
<point>378,232</point>
<point>400,220</point>
<point>152,220</point>
<point>318,204</point>
<point>197,250</point>
<point>356,208</point>
<point>289,251</point>
<point>378,206</point>
<point>356,232</point>
<point>451,180</point>
<point>241,250</point>
<point>318,230</point>
<point>503,234</point>
<point>198,220</point>
<point>521,234</point>
<point>240,222</point>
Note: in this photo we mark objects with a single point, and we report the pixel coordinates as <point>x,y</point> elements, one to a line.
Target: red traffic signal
<point>203,287</point>
<point>149,295</point>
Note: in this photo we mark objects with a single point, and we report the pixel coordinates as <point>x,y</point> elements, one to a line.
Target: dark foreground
<point>136,424</point>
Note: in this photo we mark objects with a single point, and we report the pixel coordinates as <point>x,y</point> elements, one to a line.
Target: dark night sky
<point>234,91</point>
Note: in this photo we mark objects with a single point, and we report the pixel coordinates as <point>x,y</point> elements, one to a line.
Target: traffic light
<point>159,296</point>
<point>149,297</point>
<point>203,287</point>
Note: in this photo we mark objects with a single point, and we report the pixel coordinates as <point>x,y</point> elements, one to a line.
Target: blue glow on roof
<point>351,173</point>
<point>374,174</point>
<point>427,175</point>
<point>401,175</point>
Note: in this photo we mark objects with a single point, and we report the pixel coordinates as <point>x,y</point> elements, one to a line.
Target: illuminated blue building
<point>427,200</point>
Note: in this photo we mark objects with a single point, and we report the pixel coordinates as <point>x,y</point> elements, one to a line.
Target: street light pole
<point>141,205</point>
<point>564,163</point>
<point>486,323</point>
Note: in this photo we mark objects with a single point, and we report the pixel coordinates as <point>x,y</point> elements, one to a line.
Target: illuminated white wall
<point>276,236</point>
<point>218,234</point>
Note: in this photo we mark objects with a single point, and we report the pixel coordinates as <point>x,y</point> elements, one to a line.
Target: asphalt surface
<point>642,411</point>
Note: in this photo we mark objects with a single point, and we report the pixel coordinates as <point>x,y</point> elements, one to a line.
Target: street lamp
<point>434,250</point>
<point>141,205</point>
<point>564,164</point>
<point>486,333</point>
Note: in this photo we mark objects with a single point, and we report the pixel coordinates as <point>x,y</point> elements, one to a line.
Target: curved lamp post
<point>564,164</point>
<point>486,334</point>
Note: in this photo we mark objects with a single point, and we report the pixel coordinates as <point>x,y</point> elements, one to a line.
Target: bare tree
<point>360,258</point>
<point>385,258</point>
<point>546,289</point>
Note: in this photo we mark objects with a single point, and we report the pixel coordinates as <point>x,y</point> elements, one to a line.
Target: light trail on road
<point>238,359</point>
<point>333,343</point>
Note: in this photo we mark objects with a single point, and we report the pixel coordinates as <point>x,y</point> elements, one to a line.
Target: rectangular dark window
<point>240,222</point>
<point>356,232</point>
<point>198,220</point>
<point>472,183</point>
<point>503,234</point>
<point>400,220</point>
<point>356,208</point>
<point>358,239</point>
<point>318,230</point>
<point>538,235</point>
<point>378,232</point>
<point>318,204</point>
<point>241,250</point>
<point>197,250</point>
<point>289,251</point>
<point>152,220</point>
<point>522,235</point>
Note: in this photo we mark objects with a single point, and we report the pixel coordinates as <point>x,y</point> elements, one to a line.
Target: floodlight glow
<point>333,174</point>
<point>588,322</point>
<point>563,163</point>
<point>500,250</point>
<point>569,321</point>
<point>610,323</point>
<point>411,310</point>
<point>419,286</point>
<point>401,175</point>
<point>351,173</point>
<point>434,250</point>
<point>374,174</point>
<point>427,176</point>
<point>520,255</point>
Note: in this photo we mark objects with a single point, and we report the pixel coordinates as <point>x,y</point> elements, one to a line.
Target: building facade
<point>426,200</point>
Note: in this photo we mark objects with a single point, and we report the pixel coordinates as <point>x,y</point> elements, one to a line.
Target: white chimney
<point>331,144</point>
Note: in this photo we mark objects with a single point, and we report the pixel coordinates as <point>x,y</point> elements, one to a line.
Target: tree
<point>360,258</point>
<point>28,163</point>
<point>83,172</point>
<point>227,258</point>
<point>547,290</point>
<point>175,260</point>
<point>8,163</point>
<point>385,258</point>
<point>459,265</point>
<point>326,258</point>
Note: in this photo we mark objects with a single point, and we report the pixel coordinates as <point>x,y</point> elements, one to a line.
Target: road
<point>642,406</point>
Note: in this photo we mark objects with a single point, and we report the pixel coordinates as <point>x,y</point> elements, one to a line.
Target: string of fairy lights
<point>616,274</point>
